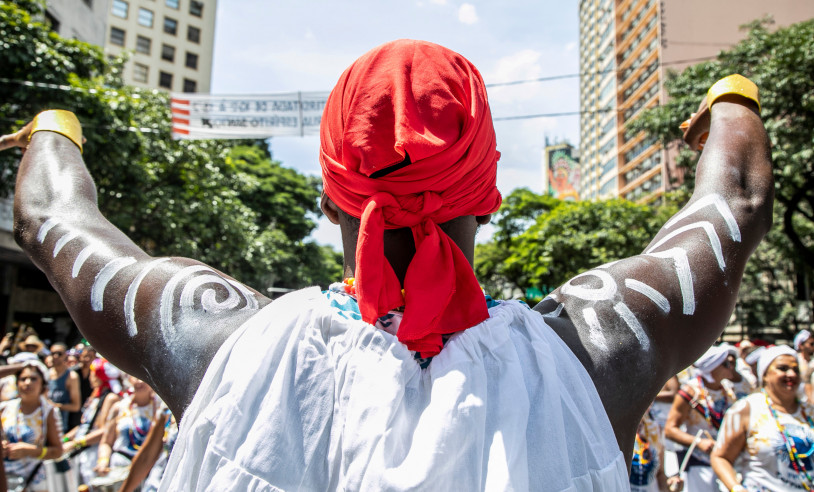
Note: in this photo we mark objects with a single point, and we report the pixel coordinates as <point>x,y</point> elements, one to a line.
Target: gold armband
<point>733,84</point>
<point>59,121</point>
<point>44,452</point>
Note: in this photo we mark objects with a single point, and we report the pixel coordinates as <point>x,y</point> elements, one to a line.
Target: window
<point>193,34</point>
<point>189,85</point>
<point>173,4</point>
<point>196,8</point>
<point>120,8</point>
<point>165,80</point>
<point>170,26</point>
<point>143,45</point>
<point>192,60</point>
<point>116,36</point>
<point>168,53</point>
<point>140,72</point>
<point>145,17</point>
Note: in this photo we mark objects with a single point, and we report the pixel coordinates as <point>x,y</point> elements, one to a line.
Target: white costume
<point>306,396</point>
<point>766,464</point>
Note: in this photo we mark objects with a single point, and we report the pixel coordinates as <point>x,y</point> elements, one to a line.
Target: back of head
<point>407,141</point>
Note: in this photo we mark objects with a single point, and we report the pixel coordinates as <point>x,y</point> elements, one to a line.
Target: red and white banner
<point>197,116</point>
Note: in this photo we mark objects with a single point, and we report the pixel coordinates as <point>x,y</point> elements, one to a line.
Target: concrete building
<point>626,49</point>
<point>171,42</point>
<point>85,20</point>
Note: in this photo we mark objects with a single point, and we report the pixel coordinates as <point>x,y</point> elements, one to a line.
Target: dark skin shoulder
<point>635,323</point>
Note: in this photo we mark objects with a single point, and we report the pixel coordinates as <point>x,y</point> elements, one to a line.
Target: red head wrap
<point>108,375</point>
<point>416,100</point>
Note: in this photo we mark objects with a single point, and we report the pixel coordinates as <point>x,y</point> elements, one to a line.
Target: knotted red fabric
<point>419,101</point>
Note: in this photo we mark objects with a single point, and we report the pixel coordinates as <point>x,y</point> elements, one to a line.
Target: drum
<point>110,482</point>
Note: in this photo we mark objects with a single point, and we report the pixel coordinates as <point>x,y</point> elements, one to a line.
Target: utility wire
<point>579,74</point>
<point>45,85</point>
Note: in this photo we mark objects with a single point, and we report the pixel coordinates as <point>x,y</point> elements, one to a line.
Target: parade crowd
<point>73,421</point>
<point>737,419</point>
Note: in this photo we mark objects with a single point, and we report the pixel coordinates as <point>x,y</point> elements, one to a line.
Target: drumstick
<point>689,453</point>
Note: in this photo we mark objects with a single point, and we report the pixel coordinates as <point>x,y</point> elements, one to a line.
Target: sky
<point>271,46</point>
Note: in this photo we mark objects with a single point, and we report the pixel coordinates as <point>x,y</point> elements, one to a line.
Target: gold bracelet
<point>733,84</point>
<point>59,121</point>
<point>44,452</point>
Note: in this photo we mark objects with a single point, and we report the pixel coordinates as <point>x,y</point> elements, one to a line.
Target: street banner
<point>198,116</point>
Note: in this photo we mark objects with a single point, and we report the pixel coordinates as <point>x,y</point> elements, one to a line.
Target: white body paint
<point>682,268</point>
<point>603,293</point>
<point>556,312</point>
<point>719,203</point>
<point>595,334</point>
<point>130,297</point>
<point>105,275</point>
<point>45,227</point>
<point>649,292</point>
<point>63,241</point>
<point>86,252</point>
<point>208,298</point>
<point>630,320</point>
<point>711,234</point>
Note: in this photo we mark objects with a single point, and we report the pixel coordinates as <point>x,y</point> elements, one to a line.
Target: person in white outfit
<point>770,433</point>
<point>404,376</point>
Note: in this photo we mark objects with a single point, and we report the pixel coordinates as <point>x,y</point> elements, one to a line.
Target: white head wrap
<point>800,338</point>
<point>768,356</point>
<point>40,367</point>
<point>712,358</point>
<point>754,355</point>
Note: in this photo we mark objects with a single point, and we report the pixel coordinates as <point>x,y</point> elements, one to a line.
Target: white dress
<point>767,466</point>
<point>307,396</point>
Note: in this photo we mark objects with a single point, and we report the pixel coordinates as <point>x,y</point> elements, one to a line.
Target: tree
<point>540,242</point>
<point>227,204</point>
<point>780,63</point>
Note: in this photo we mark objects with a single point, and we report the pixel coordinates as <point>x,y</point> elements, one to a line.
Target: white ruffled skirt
<point>305,397</point>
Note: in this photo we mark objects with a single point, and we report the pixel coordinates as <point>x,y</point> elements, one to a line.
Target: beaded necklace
<point>794,456</point>
<point>137,438</point>
<point>712,417</point>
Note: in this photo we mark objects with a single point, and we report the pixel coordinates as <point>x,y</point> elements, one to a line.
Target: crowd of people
<point>738,419</point>
<point>71,418</point>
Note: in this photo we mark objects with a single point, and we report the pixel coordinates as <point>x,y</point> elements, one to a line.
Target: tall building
<point>626,48</point>
<point>85,20</point>
<point>171,40</point>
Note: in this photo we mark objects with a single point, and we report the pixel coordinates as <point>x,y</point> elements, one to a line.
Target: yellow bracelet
<point>44,452</point>
<point>58,121</point>
<point>733,84</point>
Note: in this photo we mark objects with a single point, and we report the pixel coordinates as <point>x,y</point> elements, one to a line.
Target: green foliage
<point>541,242</point>
<point>780,62</point>
<point>227,204</point>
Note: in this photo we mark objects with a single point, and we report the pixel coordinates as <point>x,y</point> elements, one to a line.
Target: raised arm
<point>161,319</point>
<point>636,322</point>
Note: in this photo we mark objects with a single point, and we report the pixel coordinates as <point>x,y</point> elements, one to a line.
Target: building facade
<point>85,20</point>
<point>171,42</point>
<point>626,49</point>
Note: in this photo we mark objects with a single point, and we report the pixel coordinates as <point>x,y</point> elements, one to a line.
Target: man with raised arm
<point>404,376</point>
